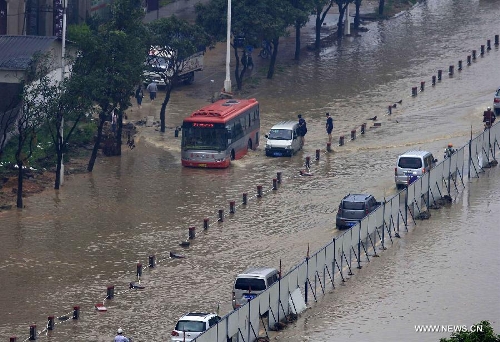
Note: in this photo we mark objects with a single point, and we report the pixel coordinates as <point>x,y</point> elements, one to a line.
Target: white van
<point>283,140</point>
<point>251,283</point>
<point>411,164</point>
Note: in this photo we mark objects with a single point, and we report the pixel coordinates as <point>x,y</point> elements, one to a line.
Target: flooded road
<point>66,247</point>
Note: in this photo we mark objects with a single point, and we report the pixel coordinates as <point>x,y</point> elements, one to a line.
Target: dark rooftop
<point>17,51</point>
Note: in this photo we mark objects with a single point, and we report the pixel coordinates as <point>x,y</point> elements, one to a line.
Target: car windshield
<point>192,326</point>
<point>280,134</point>
<point>354,205</point>
<point>410,163</point>
<point>250,284</point>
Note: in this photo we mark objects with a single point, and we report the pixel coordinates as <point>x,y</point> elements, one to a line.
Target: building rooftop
<point>16,52</point>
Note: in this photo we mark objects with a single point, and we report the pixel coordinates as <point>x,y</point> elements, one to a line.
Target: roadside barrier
<point>336,261</point>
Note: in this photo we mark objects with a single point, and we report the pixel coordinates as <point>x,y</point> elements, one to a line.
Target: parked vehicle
<point>225,130</point>
<point>283,139</point>
<point>251,283</point>
<point>160,66</point>
<point>192,324</point>
<point>496,102</point>
<point>353,208</point>
<point>410,164</point>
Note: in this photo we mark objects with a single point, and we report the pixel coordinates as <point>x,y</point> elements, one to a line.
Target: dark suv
<point>353,208</point>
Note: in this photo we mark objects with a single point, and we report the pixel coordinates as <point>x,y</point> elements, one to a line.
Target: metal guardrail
<point>330,265</point>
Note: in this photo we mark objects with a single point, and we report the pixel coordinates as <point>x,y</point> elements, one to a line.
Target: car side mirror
<point>267,136</point>
<point>435,161</point>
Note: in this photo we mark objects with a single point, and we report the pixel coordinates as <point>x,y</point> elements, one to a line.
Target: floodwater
<point>65,248</point>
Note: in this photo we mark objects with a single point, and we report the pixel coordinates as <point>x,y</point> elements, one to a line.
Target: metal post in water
<point>50,323</point>
<point>192,233</point>
<point>259,191</point>
<point>341,140</point>
<point>110,292</point>
<point>308,161</point>
<point>488,44</point>
<point>473,54</point>
<point>152,261</point>
<point>176,133</point>
<point>232,208</point>
<point>440,74</point>
<point>32,332</point>
<point>139,269</point>
<point>221,215</point>
<point>389,109</point>
<point>245,198</point>
<point>278,176</point>
<point>496,39</point>
<point>433,80</point>
<point>317,154</point>
<point>275,184</point>
<point>422,86</point>
<point>414,91</point>
<point>328,146</point>
<point>459,65</point>
<point>450,70</point>
<point>76,312</point>
<point>363,128</point>
<point>482,50</point>
<point>353,134</point>
<point>205,223</point>
<point>13,339</point>
<point>468,60</point>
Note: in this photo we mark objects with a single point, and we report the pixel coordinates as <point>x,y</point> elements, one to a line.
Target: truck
<point>159,67</point>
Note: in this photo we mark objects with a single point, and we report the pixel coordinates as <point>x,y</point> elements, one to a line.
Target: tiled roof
<point>17,51</point>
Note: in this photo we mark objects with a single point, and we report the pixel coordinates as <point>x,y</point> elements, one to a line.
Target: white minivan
<point>283,139</point>
<point>251,283</point>
<point>412,164</point>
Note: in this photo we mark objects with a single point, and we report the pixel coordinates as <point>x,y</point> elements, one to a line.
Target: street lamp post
<point>63,66</point>
<point>227,82</point>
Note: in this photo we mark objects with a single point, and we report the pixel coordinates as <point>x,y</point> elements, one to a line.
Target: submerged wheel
<point>249,145</point>
<point>232,155</point>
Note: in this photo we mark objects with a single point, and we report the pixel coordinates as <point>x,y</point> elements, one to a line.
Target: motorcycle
<point>266,50</point>
<point>246,59</point>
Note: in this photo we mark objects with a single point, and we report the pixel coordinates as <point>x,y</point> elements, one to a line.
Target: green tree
<point>321,8</point>
<point>301,12</point>
<point>481,332</point>
<point>109,63</point>
<point>31,116</point>
<point>176,40</point>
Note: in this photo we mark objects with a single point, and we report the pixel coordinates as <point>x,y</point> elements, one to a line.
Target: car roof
<point>415,153</point>
<point>196,316</point>
<point>256,272</point>
<point>357,197</point>
<point>285,125</point>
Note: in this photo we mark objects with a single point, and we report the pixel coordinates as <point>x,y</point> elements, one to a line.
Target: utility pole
<point>63,66</point>
<point>227,82</point>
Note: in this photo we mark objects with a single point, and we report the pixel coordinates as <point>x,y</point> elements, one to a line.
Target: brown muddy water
<point>66,247</point>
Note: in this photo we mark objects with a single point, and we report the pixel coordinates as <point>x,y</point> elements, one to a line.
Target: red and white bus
<point>223,131</point>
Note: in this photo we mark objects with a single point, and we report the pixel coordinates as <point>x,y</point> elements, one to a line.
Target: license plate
<point>249,296</point>
<point>350,224</point>
<point>277,154</point>
<point>202,165</point>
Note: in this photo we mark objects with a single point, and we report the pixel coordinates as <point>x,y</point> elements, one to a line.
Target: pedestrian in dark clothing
<point>152,88</point>
<point>302,130</point>
<point>488,118</point>
<point>329,126</point>
<point>139,94</point>
<point>119,337</point>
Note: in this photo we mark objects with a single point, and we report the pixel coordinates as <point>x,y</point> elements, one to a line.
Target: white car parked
<point>192,324</point>
<point>496,102</point>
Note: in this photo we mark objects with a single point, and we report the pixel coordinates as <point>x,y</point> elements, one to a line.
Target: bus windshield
<point>195,138</point>
<point>280,134</point>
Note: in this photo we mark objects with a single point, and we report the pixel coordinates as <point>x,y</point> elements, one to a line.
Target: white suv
<point>192,324</point>
<point>496,102</point>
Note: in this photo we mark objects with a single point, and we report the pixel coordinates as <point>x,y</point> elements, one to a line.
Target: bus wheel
<point>232,154</point>
<point>249,145</point>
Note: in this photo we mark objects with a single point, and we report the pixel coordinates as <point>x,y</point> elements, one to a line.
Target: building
<point>40,17</point>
